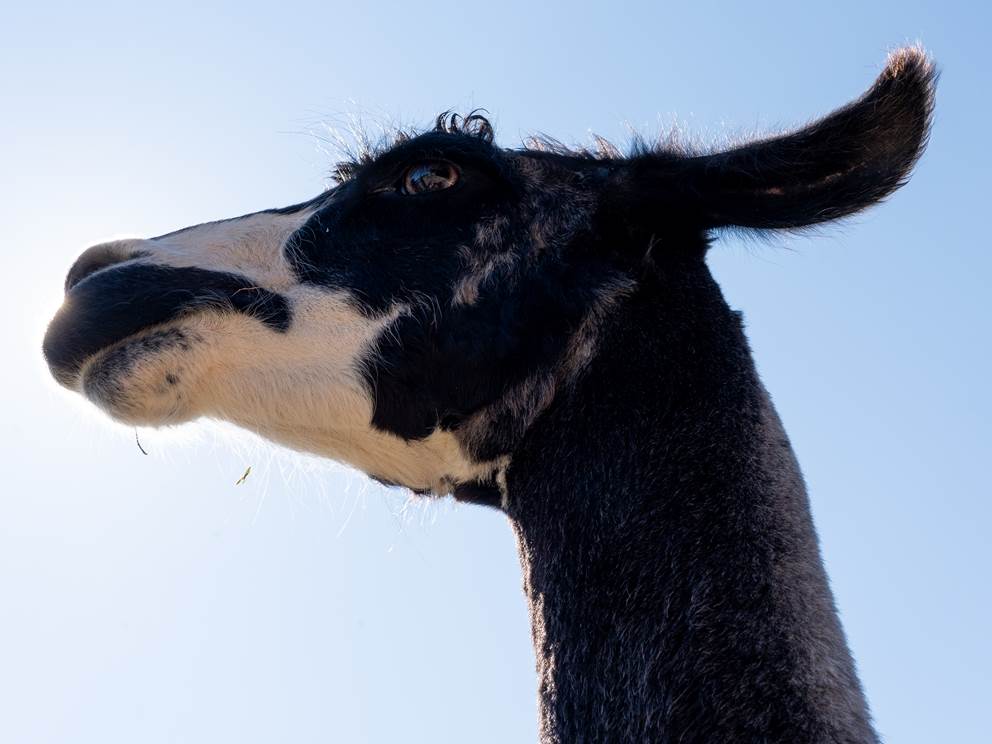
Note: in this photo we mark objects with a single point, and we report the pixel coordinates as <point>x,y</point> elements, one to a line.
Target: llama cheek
<point>288,387</point>
<point>300,410</point>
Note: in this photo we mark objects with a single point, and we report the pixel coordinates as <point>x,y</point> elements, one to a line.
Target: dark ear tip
<point>910,73</point>
<point>910,63</point>
<point>900,105</point>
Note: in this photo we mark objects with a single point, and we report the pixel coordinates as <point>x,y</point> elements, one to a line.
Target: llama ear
<point>832,168</point>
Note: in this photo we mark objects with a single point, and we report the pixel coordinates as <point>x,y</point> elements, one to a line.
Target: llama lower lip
<point>100,374</point>
<point>116,303</point>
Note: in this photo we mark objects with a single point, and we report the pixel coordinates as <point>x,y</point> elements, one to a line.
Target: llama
<point>536,330</point>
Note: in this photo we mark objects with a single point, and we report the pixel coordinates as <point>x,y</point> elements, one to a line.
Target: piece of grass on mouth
<point>244,476</point>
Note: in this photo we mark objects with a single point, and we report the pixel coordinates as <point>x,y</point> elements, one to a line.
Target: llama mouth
<point>115,303</point>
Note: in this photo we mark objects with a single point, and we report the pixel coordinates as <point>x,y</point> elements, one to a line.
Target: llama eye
<point>433,175</point>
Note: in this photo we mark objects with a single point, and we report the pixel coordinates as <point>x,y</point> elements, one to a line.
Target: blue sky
<point>149,598</point>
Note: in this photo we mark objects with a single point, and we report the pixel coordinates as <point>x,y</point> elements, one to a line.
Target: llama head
<point>416,318</point>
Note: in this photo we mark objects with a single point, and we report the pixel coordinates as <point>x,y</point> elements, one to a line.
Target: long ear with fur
<point>832,168</point>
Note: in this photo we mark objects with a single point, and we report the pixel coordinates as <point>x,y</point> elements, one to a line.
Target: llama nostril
<point>100,257</point>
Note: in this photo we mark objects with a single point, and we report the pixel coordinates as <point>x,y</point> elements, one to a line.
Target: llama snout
<point>100,257</point>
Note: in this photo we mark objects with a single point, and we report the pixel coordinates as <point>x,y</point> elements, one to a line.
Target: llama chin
<point>143,380</point>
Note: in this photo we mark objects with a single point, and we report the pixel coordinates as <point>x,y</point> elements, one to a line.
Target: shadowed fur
<point>536,330</point>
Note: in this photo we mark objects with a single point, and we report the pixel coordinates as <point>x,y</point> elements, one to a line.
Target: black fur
<point>676,588</point>
<point>830,169</point>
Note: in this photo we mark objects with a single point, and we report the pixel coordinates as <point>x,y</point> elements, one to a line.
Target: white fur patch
<point>252,246</point>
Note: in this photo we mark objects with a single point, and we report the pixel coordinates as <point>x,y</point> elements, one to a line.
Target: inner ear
<point>832,168</point>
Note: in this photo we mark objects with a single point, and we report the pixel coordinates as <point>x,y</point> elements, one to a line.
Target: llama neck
<point>672,570</point>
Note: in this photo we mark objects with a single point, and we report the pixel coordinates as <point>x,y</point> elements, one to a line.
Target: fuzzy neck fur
<point>674,579</point>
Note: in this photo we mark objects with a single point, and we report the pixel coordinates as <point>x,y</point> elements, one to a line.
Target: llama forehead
<point>554,173</point>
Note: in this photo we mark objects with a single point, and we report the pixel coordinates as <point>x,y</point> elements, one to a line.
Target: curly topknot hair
<point>473,124</point>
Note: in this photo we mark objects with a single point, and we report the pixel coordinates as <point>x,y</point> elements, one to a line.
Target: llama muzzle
<point>109,304</point>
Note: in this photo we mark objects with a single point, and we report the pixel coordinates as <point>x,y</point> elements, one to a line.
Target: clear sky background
<point>150,599</point>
